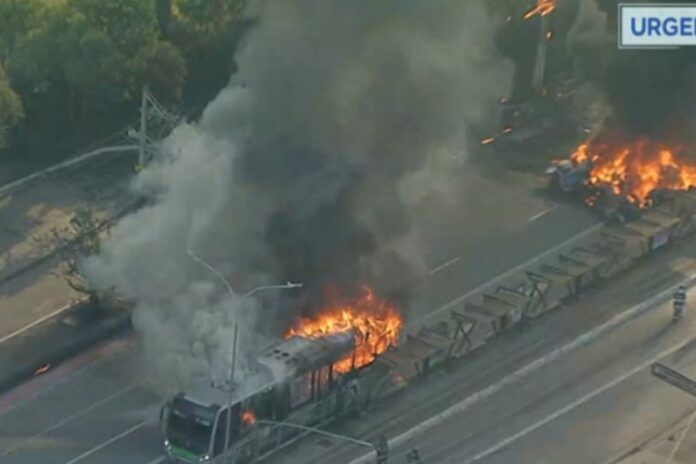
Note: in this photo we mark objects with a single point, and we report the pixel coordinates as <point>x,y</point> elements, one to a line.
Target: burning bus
<point>322,370</point>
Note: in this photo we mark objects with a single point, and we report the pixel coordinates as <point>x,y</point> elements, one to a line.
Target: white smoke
<point>305,168</point>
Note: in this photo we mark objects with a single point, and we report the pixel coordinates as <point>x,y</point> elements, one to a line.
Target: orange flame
<point>635,170</point>
<point>376,325</point>
<point>542,8</point>
<point>42,370</point>
<point>249,417</point>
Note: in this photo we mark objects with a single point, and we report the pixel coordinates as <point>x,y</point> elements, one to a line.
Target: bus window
<point>301,390</point>
<point>264,404</point>
<point>323,380</point>
<point>190,426</point>
<point>221,428</point>
<point>281,402</point>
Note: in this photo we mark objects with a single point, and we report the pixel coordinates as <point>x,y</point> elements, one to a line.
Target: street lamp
<point>210,268</point>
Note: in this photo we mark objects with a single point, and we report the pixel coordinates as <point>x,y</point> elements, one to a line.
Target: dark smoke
<point>304,167</point>
<point>650,92</point>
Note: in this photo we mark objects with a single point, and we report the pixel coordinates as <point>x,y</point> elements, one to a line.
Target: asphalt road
<point>588,408</point>
<point>30,217</point>
<point>101,408</point>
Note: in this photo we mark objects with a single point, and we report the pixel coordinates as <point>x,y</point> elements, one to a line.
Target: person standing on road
<point>679,302</point>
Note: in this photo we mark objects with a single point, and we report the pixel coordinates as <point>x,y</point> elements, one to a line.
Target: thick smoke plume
<point>650,92</point>
<point>303,168</point>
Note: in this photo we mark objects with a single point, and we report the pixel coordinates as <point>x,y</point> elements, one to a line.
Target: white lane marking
<point>445,265</point>
<point>38,321</point>
<point>580,401</point>
<point>159,460</point>
<point>535,365</point>
<point>115,438</point>
<point>69,419</point>
<point>541,213</point>
<point>506,275</point>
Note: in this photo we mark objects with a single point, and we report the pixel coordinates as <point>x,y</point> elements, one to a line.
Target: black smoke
<point>304,168</point>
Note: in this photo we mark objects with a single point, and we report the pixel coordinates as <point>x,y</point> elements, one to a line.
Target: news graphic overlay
<point>657,25</point>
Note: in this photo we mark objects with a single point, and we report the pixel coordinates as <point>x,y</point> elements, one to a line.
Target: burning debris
<point>622,175</point>
<point>375,323</point>
<point>249,417</point>
<point>636,169</point>
<point>489,140</point>
<point>542,8</point>
<point>638,106</point>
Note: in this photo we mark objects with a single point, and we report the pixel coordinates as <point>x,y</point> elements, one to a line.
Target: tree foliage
<point>76,67</point>
<point>10,108</point>
<point>199,25</point>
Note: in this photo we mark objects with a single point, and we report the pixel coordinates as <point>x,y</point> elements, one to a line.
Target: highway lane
<point>64,416</point>
<point>593,406</point>
<point>94,414</point>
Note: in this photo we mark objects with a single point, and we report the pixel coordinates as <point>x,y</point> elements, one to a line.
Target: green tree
<point>207,33</point>
<point>126,44</point>
<point>11,111</point>
<point>81,69</point>
<point>18,18</point>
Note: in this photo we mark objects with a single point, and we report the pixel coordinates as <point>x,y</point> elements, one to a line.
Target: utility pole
<point>142,135</point>
<point>151,111</point>
<point>542,52</point>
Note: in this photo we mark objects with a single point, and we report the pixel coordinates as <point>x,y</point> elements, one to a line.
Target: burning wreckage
<point>623,179</point>
<point>319,372</point>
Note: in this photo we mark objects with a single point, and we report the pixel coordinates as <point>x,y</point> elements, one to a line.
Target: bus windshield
<point>190,426</point>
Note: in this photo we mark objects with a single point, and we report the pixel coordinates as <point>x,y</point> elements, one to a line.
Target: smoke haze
<point>304,168</point>
<point>650,92</point>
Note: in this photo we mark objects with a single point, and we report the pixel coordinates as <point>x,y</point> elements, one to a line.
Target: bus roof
<point>276,364</point>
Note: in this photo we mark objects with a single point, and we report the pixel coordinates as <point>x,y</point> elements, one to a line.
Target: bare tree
<point>83,239</point>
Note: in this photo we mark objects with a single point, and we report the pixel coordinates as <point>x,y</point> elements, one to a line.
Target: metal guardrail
<point>266,440</point>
